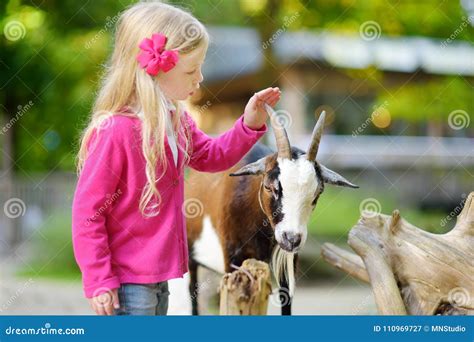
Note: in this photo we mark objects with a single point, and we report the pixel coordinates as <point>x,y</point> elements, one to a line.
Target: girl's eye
<point>191,72</point>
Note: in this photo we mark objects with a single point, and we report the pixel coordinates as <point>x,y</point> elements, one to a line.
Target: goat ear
<point>331,177</point>
<point>255,168</point>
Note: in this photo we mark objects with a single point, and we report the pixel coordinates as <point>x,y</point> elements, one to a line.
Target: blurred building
<point>319,71</point>
<point>326,71</point>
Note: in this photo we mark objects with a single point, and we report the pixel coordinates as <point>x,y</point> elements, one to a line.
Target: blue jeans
<point>143,299</point>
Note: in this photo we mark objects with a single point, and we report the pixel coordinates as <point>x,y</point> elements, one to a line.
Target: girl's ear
<point>252,169</point>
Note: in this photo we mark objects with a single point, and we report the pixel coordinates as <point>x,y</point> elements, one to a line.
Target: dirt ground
<point>29,296</point>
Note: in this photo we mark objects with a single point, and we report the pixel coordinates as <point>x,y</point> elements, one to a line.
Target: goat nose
<point>294,239</point>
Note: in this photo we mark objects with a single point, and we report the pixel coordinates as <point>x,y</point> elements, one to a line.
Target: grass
<point>52,255</point>
<point>338,211</point>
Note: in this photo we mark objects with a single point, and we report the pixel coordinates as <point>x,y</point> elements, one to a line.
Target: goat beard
<point>282,265</point>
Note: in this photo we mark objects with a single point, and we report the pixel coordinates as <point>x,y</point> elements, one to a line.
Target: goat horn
<point>282,141</point>
<point>316,137</point>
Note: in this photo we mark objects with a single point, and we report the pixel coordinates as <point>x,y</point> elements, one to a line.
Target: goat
<point>260,212</point>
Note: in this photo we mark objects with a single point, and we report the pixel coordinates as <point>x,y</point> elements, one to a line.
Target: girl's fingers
<point>265,93</point>
<point>269,95</point>
<point>274,96</point>
<point>265,100</point>
<point>273,100</point>
<point>115,299</point>
<point>99,309</point>
<point>109,310</point>
<point>257,98</point>
<point>103,303</point>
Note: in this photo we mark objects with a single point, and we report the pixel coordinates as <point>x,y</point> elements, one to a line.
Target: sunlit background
<point>394,77</point>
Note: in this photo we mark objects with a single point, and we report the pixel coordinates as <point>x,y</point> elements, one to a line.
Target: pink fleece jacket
<point>113,243</point>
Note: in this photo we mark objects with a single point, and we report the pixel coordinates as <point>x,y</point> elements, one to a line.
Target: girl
<point>129,232</point>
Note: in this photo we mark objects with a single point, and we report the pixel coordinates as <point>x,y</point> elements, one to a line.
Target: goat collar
<point>260,197</point>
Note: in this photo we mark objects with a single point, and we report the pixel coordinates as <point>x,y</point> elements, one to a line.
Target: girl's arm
<point>214,155</point>
<point>98,181</point>
<point>221,153</point>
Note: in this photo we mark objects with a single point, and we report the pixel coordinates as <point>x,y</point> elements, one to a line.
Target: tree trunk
<point>11,227</point>
<point>410,270</point>
<point>246,290</point>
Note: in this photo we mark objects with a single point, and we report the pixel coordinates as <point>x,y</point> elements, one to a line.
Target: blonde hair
<point>126,84</point>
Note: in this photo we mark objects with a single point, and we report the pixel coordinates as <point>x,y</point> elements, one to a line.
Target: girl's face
<point>183,80</point>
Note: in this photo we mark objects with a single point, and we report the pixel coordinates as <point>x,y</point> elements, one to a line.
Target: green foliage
<point>55,65</point>
<point>57,59</point>
<point>431,100</point>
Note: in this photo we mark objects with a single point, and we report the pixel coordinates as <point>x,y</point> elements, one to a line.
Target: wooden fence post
<point>245,291</point>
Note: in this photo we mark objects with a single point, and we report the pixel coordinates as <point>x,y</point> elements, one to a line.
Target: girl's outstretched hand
<point>255,114</point>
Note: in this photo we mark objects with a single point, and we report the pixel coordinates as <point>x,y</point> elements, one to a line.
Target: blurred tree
<point>432,102</point>
<point>51,54</point>
<point>52,51</point>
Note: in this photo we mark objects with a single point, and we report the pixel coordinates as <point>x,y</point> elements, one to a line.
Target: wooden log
<point>345,261</point>
<point>246,290</point>
<point>384,285</point>
<point>410,270</point>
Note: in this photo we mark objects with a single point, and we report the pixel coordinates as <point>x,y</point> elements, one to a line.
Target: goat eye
<point>275,192</point>
<point>277,186</point>
<point>267,187</point>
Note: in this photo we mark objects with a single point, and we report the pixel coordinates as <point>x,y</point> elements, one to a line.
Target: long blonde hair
<point>126,84</point>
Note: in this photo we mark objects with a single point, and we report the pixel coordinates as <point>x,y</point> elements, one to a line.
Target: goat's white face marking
<point>299,185</point>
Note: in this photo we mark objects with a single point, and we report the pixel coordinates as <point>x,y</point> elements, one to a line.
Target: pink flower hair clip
<point>153,57</point>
